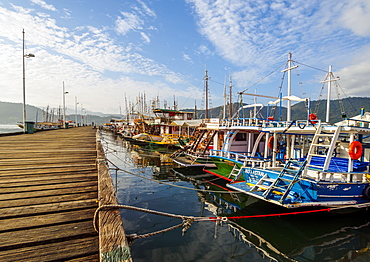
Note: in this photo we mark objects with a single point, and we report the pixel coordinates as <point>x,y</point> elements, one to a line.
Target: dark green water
<point>322,236</point>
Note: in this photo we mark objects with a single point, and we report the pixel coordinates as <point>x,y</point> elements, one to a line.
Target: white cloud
<point>82,57</point>
<point>205,50</point>
<point>187,58</point>
<point>356,16</point>
<point>355,79</point>
<point>44,5</point>
<point>146,9</point>
<point>145,37</point>
<point>127,23</point>
<point>256,35</point>
<point>66,14</point>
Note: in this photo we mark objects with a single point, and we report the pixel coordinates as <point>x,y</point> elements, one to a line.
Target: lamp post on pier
<point>64,106</point>
<point>24,86</point>
<point>76,103</point>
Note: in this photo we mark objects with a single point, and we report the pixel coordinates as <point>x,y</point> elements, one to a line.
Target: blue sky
<point>107,52</point>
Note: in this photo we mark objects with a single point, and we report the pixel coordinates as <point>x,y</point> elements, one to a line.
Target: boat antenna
<point>289,93</point>
<point>206,91</point>
<point>231,96</point>
<point>225,99</point>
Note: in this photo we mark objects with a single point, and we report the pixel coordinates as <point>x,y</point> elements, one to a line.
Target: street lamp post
<point>82,115</point>
<point>76,103</point>
<point>64,106</point>
<point>24,85</point>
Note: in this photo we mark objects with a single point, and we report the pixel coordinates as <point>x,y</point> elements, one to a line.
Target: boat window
<point>241,137</point>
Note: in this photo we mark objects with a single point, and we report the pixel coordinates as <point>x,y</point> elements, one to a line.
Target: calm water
<point>304,237</point>
<point>9,129</point>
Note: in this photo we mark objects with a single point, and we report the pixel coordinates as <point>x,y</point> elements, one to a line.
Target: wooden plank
<point>48,199</point>
<point>51,192</point>
<point>36,209</point>
<point>84,249</point>
<point>46,219</point>
<point>16,168</point>
<point>44,161</point>
<point>45,172</point>
<point>7,181</point>
<point>45,234</point>
<point>45,187</point>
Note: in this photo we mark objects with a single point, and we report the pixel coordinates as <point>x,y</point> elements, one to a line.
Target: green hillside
<point>12,113</point>
<point>349,106</point>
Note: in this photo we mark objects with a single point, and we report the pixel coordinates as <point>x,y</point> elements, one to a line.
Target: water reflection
<point>305,237</point>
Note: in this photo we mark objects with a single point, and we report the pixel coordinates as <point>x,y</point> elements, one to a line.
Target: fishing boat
<point>313,163</point>
<point>298,163</point>
<point>171,128</point>
<point>323,165</point>
<point>243,144</point>
<point>194,156</point>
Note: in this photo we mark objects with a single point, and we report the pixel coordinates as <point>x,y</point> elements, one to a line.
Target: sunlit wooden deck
<point>48,195</point>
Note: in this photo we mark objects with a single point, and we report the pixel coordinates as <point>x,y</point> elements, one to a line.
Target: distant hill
<point>349,107</point>
<point>339,109</point>
<point>12,113</point>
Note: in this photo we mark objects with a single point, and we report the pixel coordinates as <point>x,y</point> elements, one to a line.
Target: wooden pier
<point>48,196</point>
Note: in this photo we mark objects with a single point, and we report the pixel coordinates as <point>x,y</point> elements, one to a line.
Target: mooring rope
<point>187,221</point>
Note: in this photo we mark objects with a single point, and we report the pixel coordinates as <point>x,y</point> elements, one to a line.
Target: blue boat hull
<point>305,192</point>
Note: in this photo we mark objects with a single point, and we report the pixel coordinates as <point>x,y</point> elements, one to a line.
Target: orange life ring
<point>270,142</point>
<point>313,117</point>
<point>355,150</point>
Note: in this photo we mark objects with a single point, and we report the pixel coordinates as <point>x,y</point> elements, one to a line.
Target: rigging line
<point>161,182</point>
<point>191,95</point>
<point>341,106</point>
<point>345,95</point>
<point>317,104</point>
<point>263,78</point>
<point>311,66</point>
<point>211,80</point>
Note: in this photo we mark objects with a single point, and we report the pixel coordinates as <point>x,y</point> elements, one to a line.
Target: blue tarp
<point>338,164</point>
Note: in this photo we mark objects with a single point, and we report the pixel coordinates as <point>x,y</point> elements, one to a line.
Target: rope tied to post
<point>187,221</point>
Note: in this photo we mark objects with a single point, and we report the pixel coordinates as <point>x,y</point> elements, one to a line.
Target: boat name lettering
<point>257,173</point>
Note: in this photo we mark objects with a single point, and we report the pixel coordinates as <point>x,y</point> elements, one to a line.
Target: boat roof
<point>161,110</point>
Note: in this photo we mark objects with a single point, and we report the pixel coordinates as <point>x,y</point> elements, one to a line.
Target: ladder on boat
<point>284,182</point>
<point>316,144</point>
<point>202,141</point>
<point>237,171</point>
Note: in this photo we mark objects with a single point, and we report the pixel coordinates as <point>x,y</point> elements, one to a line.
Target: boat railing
<point>228,154</point>
<point>343,177</point>
<point>358,122</point>
<point>241,157</point>
<point>295,123</point>
<point>241,122</point>
<point>259,122</point>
